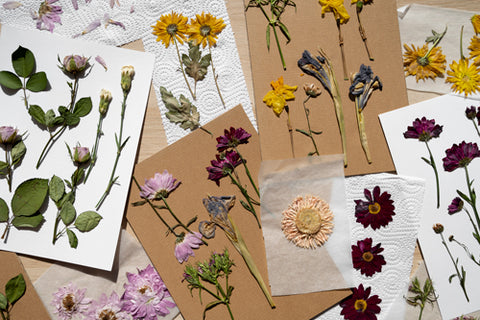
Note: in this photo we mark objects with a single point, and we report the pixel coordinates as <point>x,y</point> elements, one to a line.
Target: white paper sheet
<point>97,247</point>
<point>448,111</point>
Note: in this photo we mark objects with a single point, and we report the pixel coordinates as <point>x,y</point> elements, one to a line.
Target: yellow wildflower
<point>205,29</point>
<point>170,27</point>
<point>465,78</point>
<point>475,50</point>
<point>338,9</point>
<point>476,23</point>
<point>418,63</point>
<point>277,98</point>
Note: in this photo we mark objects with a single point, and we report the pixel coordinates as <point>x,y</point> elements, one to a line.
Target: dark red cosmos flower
<point>360,306</point>
<point>423,130</point>
<point>366,258</point>
<point>232,138</point>
<point>377,211</point>
<point>460,155</point>
<point>471,112</point>
<point>224,165</point>
<point>455,206</point>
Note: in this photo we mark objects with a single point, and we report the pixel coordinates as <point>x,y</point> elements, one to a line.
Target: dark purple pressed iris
<point>423,130</point>
<point>460,155</point>
<point>223,165</point>
<point>377,211</point>
<point>360,306</point>
<point>366,258</point>
<point>232,138</point>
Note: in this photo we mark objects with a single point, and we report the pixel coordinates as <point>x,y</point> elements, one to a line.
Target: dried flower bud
<point>312,90</point>
<point>438,228</point>
<point>81,154</point>
<point>471,112</point>
<point>75,64</point>
<point>127,76</point>
<point>451,238</point>
<point>455,206</point>
<point>105,99</point>
<point>8,135</point>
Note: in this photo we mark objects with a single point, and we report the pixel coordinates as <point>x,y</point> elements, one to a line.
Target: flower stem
<point>95,148</point>
<point>469,254</point>
<point>361,130</point>
<point>432,164</point>
<point>215,76</point>
<point>421,311</point>
<point>183,71</point>
<point>473,197</point>
<point>9,168</point>
<point>476,127</point>
<point>247,197</point>
<point>340,41</point>
<point>341,123</point>
<point>49,144</point>
<point>248,172</point>
<point>307,112</point>
<point>363,34</point>
<point>290,129</point>
<point>278,45</point>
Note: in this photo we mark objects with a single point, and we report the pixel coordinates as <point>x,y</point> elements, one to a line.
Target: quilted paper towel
<point>138,16</point>
<point>398,239</point>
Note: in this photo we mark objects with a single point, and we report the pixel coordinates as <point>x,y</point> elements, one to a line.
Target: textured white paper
<point>398,239</point>
<point>448,111</point>
<point>97,247</point>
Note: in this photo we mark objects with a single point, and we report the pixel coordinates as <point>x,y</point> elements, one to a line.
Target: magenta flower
<point>47,15</point>
<point>461,155</point>
<point>366,258</point>
<point>8,135</point>
<point>81,154</point>
<point>455,206</point>
<point>159,186</point>
<point>232,138</point>
<point>423,130</point>
<point>107,308</point>
<point>377,211</point>
<point>70,302</point>
<point>360,306</point>
<point>145,295</point>
<point>223,166</point>
<point>186,244</point>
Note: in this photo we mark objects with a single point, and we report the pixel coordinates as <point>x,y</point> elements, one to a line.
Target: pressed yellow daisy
<point>476,23</point>
<point>277,98</point>
<point>205,29</point>
<point>171,27</point>
<point>475,50</point>
<point>465,78</point>
<point>419,62</point>
<point>338,9</point>
<point>307,222</point>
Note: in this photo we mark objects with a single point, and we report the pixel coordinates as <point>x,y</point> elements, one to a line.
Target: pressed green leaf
<point>303,131</point>
<point>71,119</point>
<point>451,277</point>
<point>27,222</point>
<point>29,197</point>
<point>23,62</point>
<point>56,188</point>
<point>3,211</point>
<point>87,221</point>
<point>37,114</point>
<point>268,37</point>
<point>15,288</point>
<point>284,31</point>
<point>63,110</point>
<point>68,197</point>
<point>18,151</point>
<point>82,107</point>
<point>72,239</point>
<point>3,166</point>
<point>37,82</point>
<point>50,118</point>
<point>58,121</point>
<point>68,213</point>
<point>3,302</point>
<point>316,132</point>
<point>10,80</point>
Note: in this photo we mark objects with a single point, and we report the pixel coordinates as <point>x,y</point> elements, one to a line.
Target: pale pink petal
<point>9,5</point>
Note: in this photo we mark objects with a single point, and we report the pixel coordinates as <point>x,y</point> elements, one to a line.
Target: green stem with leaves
<point>244,162</point>
<point>183,71</point>
<point>215,77</point>
<point>473,198</point>
<point>433,165</point>
<point>95,147</point>
<point>245,194</point>
<point>361,130</point>
<point>461,277</point>
<point>310,134</point>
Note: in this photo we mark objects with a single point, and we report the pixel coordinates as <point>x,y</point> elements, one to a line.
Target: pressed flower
<point>74,64</point>
<point>337,8</point>
<point>359,4</point>
<point>92,26</point>
<point>367,258</point>
<point>455,206</point>
<point>465,78</point>
<point>472,114</point>
<point>232,138</point>
<point>438,228</point>
<point>307,222</point>
<point>107,308</point>
<point>102,62</point>
<point>161,185</point>
<point>15,150</point>
<point>145,295</point>
<point>205,28</point>
<point>418,63</point>
<point>185,245</point>
<point>278,97</point>
<point>361,306</point>
<point>377,211</point>
<point>47,15</point>
<point>170,28</point>
<point>69,302</point>
<point>459,156</point>
<point>474,48</point>
<point>475,19</point>
<point>105,99</point>
<point>223,165</point>
<point>312,90</point>
<point>127,74</point>
<point>8,135</point>
<point>107,20</point>
<point>423,130</point>
<point>81,154</point>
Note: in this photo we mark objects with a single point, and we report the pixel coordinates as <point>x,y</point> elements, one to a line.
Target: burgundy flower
<point>366,258</point>
<point>232,138</point>
<point>360,306</point>
<point>471,112</point>
<point>377,211</point>
<point>460,155</point>
<point>423,130</point>
<point>224,165</point>
<point>455,206</point>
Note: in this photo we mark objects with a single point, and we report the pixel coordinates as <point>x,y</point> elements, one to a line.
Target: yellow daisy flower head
<point>171,27</point>
<point>415,63</point>
<point>465,78</point>
<point>205,28</point>
<point>277,98</point>
<point>475,50</point>
<point>338,9</point>
<point>476,23</point>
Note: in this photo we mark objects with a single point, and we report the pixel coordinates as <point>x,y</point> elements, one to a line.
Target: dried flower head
<point>465,78</point>
<point>69,302</point>
<point>471,112</point>
<point>418,63</point>
<point>81,154</point>
<point>361,306</point>
<point>184,246</point>
<point>474,48</point>
<point>107,308</point>
<point>205,28</point>
<point>74,64</point>
<point>423,130</point>
<point>224,164</point>
<point>455,206</point>
<point>363,84</point>
<point>307,222</point>
<point>127,72</point>
<point>459,156</point>
<point>337,8</point>
<point>105,99</point>
<point>47,15</point>
<point>367,258</point>
<point>170,28</point>
<point>161,185</point>
<point>232,138</point>
<point>278,97</point>
<point>8,135</point>
<point>312,90</point>
<point>475,19</point>
<point>377,211</point>
<point>438,228</point>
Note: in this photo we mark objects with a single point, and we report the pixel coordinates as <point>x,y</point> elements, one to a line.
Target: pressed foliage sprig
<point>312,91</point>
<point>359,4</point>
<point>15,150</point>
<point>195,64</point>
<point>277,8</point>
<point>421,295</point>
<point>218,208</point>
<point>14,290</point>
<point>127,74</point>
<point>211,271</point>
<point>321,68</point>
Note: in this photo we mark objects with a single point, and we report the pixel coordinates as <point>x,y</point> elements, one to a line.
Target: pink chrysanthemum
<point>47,15</point>
<point>184,248</point>
<point>159,186</point>
<point>145,295</point>
<point>70,302</point>
<point>107,308</point>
